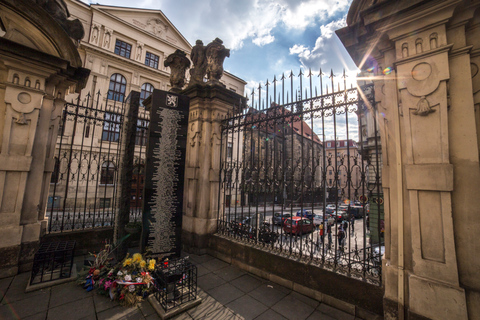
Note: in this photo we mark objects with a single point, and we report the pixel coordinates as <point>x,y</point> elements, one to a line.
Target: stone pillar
<point>209,105</point>
<point>431,150</point>
<point>38,65</point>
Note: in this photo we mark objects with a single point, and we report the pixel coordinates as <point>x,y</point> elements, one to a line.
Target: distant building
<point>276,151</point>
<point>345,182</point>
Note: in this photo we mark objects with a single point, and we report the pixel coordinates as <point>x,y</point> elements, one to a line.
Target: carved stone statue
<point>215,53</point>
<point>199,70</point>
<point>178,63</point>
<point>59,11</point>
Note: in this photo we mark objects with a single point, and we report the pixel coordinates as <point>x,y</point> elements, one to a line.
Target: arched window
<point>117,88</point>
<point>147,89</point>
<point>108,173</point>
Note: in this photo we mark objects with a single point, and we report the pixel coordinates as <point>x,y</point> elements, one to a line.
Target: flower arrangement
<point>129,281</point>
<point>101,262</point>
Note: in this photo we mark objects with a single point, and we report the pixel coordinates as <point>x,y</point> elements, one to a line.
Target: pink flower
<point>108,284</point>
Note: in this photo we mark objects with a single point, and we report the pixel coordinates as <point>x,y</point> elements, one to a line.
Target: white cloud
<point>328,51</point>
<point>306,12</point>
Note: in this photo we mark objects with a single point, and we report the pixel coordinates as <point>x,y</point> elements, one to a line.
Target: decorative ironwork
<point>315,156</point>
<point>53,261</point>
<point>84,184</point>
<point>176,283</point>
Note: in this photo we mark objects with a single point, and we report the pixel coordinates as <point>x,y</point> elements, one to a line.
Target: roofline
<point>101,6</point>
<point>237,78</point>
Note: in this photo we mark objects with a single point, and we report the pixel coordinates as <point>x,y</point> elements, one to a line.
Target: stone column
<point>209,105</point>
<point>431,151</point>
<point>39,63</point>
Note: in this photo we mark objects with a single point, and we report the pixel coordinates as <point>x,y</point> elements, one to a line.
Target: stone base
<point>9,261</point>
<point>52,283</point>
<point>434,300</point>
<point>174,311</point>
<point>195,243</point>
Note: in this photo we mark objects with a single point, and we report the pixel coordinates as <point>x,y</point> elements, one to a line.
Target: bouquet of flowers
<point>129,281</point>
<point>99,265</point>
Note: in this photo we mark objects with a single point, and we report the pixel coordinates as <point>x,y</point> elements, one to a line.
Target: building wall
<point>38,65</point>
<point>426,59</point>
<point>146,32</point>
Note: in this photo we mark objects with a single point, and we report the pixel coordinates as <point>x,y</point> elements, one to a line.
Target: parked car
<point>306,214</point>
<point>338,216</point>
<point>318,218</point>
<point>297,225</point>
<point>357,211</point>
<point>278,218</point>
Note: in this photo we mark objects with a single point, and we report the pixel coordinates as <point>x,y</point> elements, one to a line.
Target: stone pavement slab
<point>247,282</point>
<point>248,307</point>
<point>293,309</point>
<point>78,309</point>
<point>227,293</point>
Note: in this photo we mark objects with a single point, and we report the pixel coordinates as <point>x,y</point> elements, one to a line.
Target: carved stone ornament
<point>156,26</point>
<point>199,70</point>
<point>423,107</point>
<point>59,11</point>
<point>215,53</point>
<point>178,63</point>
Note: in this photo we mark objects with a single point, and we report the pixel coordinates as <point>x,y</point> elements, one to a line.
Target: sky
<point>266,38</point>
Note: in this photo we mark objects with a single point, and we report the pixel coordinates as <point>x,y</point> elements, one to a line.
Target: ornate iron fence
<point>84,183</point>
<point>315,157</point>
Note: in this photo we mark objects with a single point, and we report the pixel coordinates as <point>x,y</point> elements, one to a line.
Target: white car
<point>318,218</point>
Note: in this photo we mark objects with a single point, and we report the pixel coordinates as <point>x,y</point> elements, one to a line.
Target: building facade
<point>125,49</point>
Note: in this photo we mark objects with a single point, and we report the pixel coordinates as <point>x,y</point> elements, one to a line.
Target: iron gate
<point>301,175</point>
<point>84,184</point>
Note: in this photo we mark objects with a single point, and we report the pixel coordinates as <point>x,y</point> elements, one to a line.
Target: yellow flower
<point>151,264</point>
<point>127,262</point>
<point>143,264</point>
<point>137,257</point>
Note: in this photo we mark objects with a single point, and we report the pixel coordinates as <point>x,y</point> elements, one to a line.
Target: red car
<point>297,225</point>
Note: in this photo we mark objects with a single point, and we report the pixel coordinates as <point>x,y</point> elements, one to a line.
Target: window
<point>329,144</point>
<point>151,60</point>
<point>117,87</point>
<point>229,149</point>
<point>145,92</point>
<point>111,127</point>
<point>56,171</point>
<point>108,173</point>
<point>123,49</point>
<point>228,177</point>
<point>105,202</point>
<point>53,202</point>
<point>87,129</point>
<point>142,132</point>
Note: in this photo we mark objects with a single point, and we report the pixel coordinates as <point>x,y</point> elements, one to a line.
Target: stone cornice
<point>105,12</point>
<point>460,51</point>
<point>424,54</point>
<point>215,92</point>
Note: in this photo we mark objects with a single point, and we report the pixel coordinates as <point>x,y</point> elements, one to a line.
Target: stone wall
<point>39,64</point>
<point>425,56</point>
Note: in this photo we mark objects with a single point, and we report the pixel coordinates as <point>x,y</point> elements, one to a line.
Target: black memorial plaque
<point>165,171</point>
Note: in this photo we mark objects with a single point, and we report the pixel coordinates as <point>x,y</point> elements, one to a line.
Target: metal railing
<point>84,183</point>
<point>312,156</point>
